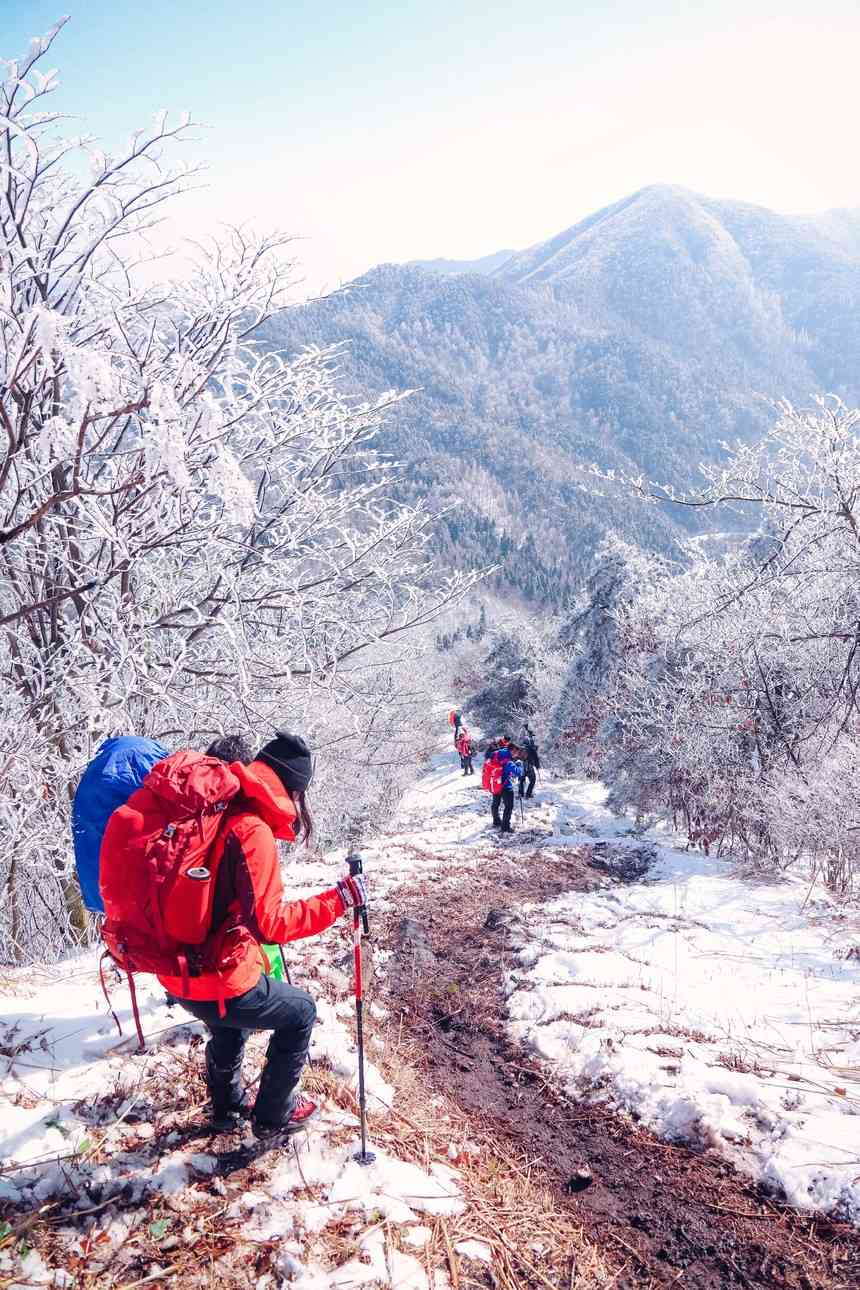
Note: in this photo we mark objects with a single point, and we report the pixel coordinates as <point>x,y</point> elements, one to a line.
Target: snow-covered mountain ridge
<point>639,339</point>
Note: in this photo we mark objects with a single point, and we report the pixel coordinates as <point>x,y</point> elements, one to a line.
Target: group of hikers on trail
<point>180,852</point>
<point>506,766</point>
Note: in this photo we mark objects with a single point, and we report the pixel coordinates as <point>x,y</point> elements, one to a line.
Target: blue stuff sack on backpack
<point>118,769</point>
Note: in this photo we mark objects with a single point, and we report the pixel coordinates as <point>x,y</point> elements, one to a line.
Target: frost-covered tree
<point>593,638</point>
<point>195,534</point>
<point>733,703</point>
<point>518,678</point>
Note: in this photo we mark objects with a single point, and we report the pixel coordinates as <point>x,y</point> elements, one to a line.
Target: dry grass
<point>534,1237</point>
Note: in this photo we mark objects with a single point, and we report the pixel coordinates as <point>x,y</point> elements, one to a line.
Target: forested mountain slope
<point>638,339</point>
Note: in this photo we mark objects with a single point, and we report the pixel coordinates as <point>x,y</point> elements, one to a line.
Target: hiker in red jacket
<point>233,995</point>
<point>464,748</point>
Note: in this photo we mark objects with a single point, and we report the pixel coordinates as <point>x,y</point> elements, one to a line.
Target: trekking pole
<point>360,923</point>
<point>522,812</point>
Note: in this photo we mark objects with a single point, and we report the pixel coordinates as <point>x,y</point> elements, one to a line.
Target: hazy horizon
<point>379,134</point>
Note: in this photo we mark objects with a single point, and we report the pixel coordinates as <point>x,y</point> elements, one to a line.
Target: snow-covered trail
<point>715,1008</point>
<point>88,1121</point>
<point>92,1128</point>
<point>85,1117</point>
<point>442,820</point>
<point>720,1008</point>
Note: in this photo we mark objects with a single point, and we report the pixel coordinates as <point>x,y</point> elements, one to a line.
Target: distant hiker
<point>501,773</point>
<point>464,748</point>
<point>455,719</point>
<point>511,774</point>
<point>531,765</point>
<point>222,979</point>
<point>488,769</point>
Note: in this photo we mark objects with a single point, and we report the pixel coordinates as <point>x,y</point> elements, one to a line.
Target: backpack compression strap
<point>107,955</point>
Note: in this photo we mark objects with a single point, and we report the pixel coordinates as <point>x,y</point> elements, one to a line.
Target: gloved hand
<point>352,891</point>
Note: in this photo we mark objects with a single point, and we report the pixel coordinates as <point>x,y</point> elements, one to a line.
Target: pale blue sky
<point>386,131</point>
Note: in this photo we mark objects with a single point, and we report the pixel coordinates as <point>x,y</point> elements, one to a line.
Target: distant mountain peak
<point>673,204</point>
<point>640,338</point>
<point>485,265</point>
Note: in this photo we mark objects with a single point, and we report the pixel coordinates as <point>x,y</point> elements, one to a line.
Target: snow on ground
<point>85,1117</point>
<point>716,1007</point>
<point>443,819</point>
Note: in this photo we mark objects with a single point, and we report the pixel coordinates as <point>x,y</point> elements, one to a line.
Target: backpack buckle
<point>169,831</point>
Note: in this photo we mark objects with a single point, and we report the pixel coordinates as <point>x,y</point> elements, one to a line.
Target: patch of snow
<point>417,1235</point>
<point>405,1272</point>
<point>480,1251</point>
<point>204,1164</point>
<point>711,1005</point>
<point>358,1272</point>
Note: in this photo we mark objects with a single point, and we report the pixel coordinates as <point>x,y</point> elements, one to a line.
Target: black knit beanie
<point>290,758</point>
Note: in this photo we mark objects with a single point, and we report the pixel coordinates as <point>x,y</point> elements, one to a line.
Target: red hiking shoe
<point>302,1111</point>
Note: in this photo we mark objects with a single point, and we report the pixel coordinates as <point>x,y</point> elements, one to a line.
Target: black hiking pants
<point>503,807</point>
<point>527,783</point>
<point>466,763</point>
<point>271,1005</point>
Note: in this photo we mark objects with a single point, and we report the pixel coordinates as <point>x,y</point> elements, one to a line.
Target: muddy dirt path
<point>668,1216</point>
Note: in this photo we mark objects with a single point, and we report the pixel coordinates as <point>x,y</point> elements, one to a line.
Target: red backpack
<point>491,776</point>
<point>158,867</point>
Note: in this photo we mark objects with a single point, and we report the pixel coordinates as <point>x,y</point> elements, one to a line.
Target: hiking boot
<point>301,1111</point>
<point>228,1099</point>
<point>506,828</point>
<point>228,1111</point>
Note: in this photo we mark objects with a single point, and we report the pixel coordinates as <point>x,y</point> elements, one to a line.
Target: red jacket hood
<point>266,795</point>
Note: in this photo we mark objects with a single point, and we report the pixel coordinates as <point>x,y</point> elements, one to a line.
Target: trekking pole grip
<point>356,865</point>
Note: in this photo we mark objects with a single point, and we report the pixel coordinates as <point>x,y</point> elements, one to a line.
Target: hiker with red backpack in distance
<point>491,777</point>
<point>464,748</point>
<point>505,772</point>
<point>489,752</point>
<point>191,883</point>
